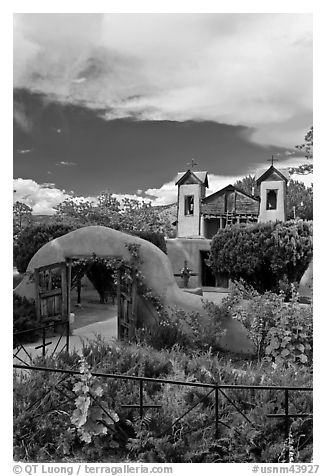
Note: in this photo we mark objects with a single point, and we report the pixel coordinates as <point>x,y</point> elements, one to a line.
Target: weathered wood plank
<point>53,292</point>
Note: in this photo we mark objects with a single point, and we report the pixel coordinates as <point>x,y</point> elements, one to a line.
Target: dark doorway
<point>207,276</point>
<point>212,226</point>
<point>222,280</point>
<point>271,200</point>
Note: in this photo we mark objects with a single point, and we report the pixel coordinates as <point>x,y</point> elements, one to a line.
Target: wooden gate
<point>127,305</point>
<point>52,292</point>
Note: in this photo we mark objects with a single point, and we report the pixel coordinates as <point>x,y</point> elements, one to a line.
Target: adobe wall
<point>305,289</point>
<point>155,267</point>
<point>181,249</point>
<point>188,225</point>
<point>272,215</point>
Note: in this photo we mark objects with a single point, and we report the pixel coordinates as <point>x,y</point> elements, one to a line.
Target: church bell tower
<point>272,185</point>
<point>191,190</point>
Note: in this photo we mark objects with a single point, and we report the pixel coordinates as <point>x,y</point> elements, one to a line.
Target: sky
<point>123,102</point>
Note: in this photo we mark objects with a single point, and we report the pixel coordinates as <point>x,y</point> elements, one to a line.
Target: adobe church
<point>200,217</point>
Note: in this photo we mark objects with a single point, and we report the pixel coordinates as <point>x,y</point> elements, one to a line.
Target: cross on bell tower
<point>272,159</point>
<point>192,163</point>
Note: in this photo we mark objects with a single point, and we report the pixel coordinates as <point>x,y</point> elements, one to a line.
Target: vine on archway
<point>104,273</point>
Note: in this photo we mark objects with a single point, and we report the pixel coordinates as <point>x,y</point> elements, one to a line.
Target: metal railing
<point>19,340</point>
<point>219,390</point>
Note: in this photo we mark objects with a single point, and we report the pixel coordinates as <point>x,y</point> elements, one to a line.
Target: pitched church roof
<point>262,174</point>
<point>200,176</point>
<point>228,188</point>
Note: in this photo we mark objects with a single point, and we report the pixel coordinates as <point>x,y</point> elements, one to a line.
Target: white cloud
<point>41,197</point>
<point>21,118</point>
<point>306,179</point>
<point>248,69</point>
<point>66,164</point>
<point>163,195</point>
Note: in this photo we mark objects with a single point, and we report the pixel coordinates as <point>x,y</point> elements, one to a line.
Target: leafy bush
<point>24,316</point>
<point>90,418</point>
<point>281,331</point>
<point>17,278</point>
<point>189,331</point>
<point>32,238</point>
<point>263,253</point>
<point>49,430</point>
<point>153,237</point>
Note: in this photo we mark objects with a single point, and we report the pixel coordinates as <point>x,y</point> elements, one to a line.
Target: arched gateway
<point>154,266</point>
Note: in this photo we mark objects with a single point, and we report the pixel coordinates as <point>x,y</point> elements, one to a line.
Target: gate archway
<point>154,266</point>
<point>53,285</point>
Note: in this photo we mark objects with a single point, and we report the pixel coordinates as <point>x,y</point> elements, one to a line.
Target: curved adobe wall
<point>306,283</point>
<point>155,267</point>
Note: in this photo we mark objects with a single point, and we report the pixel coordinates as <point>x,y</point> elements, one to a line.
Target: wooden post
<point>69,264</point>
<point>64,307</point>
<point>132,328</point>
<point>78,291</point>
<point>37,294</point>
<point>43,342</point>
<point>50,280</point>
<point>67,336</point>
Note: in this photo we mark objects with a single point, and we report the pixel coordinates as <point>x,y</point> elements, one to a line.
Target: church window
<point>189,205</point>
<point>271,200</point>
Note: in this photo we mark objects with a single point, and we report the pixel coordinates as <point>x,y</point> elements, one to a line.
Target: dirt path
<point>91,319</point>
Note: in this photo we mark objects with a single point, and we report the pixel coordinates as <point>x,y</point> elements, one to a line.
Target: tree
<point>22,215</point>
<point>263,253</point>
<point>130,216</point>
<point>32,238</point>
<point>142,217</point>
<point>248,185</point>
<point>308,144</point>
<point>307,148</point>
<point>102,278</point>
<point>84,212</point>
<point>299,201</point>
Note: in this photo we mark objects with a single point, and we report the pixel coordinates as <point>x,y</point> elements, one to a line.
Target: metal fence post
<point>216,412</point>
<point>287,421</point>
<point>141,408</point>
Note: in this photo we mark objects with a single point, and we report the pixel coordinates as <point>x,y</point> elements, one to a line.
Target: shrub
<point>48,431</point>
<point>32,238</point>
<point>102,278</point>
<point>188,330</point>
<point>153,237</point>
<point>17,278</point>
<point>24,316</point>
<point>263,253</point>
<point>281,331</point>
